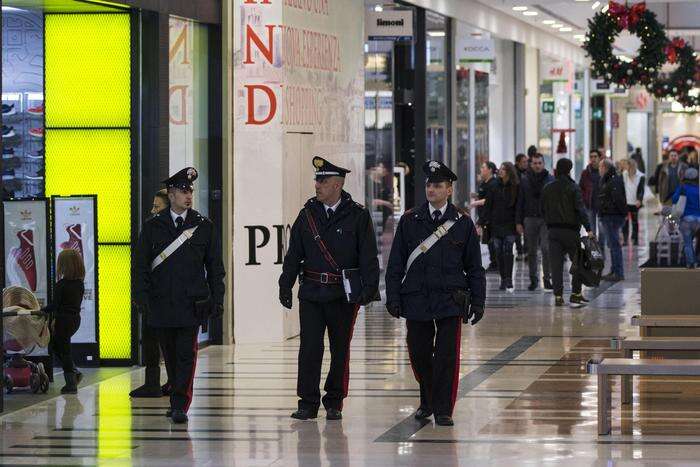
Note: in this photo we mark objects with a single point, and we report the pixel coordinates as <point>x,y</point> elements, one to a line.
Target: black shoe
<point>558,300</point>
<point>503,285</point>
<point>166,389</point>
<point>71,386</point>
<point>578,298</point>
<point>334,414</point>
<point>422,413</point>
<point>305,414</point>
<point>146,391</point>
<point>509,283</point>
<point>169,413</point>
<point>548,284</point>
<point>612,278</point>
<point>179,416</point>
<point>444,420</point>
<point>533,286</point>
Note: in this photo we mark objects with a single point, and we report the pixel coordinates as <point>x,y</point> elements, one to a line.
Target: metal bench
<point>630,344</point>
<point>631,367</point>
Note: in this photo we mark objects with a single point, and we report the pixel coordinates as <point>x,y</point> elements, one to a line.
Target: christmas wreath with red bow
<point>604,27</point>
<point>682,79</point>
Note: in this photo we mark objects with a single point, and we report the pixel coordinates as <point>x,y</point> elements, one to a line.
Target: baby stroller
<point>25,327</point>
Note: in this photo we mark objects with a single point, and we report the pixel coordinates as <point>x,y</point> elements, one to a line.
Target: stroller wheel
<point>44,383</point>
<point>34,383</point>
<point>9,384</point>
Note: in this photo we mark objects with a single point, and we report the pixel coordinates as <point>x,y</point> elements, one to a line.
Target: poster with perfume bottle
<point>74,227</point>
<point>26,248</point>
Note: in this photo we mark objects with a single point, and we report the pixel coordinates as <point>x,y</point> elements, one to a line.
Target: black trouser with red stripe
<point>179,346</point>
<point>339,317</point>
<point>433,348</point>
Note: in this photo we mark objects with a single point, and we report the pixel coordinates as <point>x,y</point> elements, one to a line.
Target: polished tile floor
<point>524,399</point>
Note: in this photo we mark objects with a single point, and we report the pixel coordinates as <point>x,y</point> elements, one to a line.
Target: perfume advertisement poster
<point>74,228</point>
<point>25,251</point>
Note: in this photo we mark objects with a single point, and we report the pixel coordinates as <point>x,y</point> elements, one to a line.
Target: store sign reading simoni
<point>389,25</point>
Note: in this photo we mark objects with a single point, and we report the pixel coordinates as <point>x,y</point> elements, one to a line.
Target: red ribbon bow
<point>627,17</point>
<point>673,48</point>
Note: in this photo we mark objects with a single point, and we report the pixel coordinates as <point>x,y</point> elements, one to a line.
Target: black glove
<point>365,297</point>
<point>218,310</point>
<point>286,297</point>
<point>476,313</point>
<point>394,309</point>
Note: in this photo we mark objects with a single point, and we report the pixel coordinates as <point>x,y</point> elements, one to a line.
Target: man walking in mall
<point>332,240</point>
<point>149,338</point>
<point>564,214</point>
<point>613,211</point>
<point>528,216</point>
<point>435,281</point>
<point>179,283</point>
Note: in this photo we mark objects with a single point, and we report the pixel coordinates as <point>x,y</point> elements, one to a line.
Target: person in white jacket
<point>634,192</point>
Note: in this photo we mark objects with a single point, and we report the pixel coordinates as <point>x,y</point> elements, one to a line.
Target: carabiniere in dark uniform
<point>444,287</point>
<point>183,291</point>
<point>348,235</point>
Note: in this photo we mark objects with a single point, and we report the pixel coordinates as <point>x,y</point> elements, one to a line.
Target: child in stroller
<point>25,328</point>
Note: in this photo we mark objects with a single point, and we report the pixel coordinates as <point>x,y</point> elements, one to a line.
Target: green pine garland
<point>682,79</point>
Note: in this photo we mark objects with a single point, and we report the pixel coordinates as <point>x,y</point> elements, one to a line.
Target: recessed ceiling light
<point>530,13</point>
<point>378,8</point>
<point>595,5</point>
<point>579,37</point>
<point>548,21</point>
<point>581,1</point>
<point>605,8</point>
<point>436,33</point>
<point>557,25</point>
<point>519,8</point>
<point>565,29</point>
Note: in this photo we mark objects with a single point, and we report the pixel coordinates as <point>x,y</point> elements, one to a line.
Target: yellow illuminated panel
<point>87,162</point>
<point>88,70</point>
<point>114,422</point>
<point>114,275</point>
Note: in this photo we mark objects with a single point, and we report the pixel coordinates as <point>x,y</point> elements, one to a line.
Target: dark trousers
<point>151,354</point>
<point>65,326</point>
<point>519,244</point>
<point>504,255</point>
<point>536,236</point>
<point>634,217</point>
<point>433,348</point>
<point>493,259</point>
<point>179,347</point>
<point>563,242</point>
<point>339,318</point>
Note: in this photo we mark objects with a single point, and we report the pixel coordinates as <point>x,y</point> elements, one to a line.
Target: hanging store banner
<point>75,227</point>
<point>470,49</point>
<point>390,25</point>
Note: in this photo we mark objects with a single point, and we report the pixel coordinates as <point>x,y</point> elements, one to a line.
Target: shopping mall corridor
<point>524,397</point>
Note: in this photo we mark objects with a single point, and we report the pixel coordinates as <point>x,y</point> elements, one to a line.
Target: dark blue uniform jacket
<point>454,262</point>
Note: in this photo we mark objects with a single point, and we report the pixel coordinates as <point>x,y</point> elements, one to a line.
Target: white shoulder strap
<point>428,243</point>
<point>170,249</point>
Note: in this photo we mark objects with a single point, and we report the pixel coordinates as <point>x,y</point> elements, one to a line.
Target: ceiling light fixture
<point>378,8</point>
<point>566,29</point>
<point>436,33</point>
<point>595,5</point>
<point>579,37</point>
<point>548,22</point>
<point>557,25</point>
<point>530,13</point>
<point>519,8</point>
<point>605,8</point>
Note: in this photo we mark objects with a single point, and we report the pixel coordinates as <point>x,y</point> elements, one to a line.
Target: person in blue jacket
<point>690,221</point>
<point>430,292</point>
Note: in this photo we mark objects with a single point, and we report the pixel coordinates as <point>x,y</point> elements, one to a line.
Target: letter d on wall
<point>252,246</point>
<point>252,109</point>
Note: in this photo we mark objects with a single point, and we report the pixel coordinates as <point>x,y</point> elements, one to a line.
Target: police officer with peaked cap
<point>345,229</point>
<point>443,287</point>
<point>178,282</point>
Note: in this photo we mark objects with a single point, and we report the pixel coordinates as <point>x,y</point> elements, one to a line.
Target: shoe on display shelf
<point>37,132</point>
<point>11,163</point>
<point>8,153</point>
<point>37,110</point>
<point>8,109</point>
<point>38,155</point>
<point>8,131</point>
<point>36,177</point>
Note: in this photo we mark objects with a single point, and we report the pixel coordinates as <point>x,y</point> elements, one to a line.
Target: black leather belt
<point>323,277</point>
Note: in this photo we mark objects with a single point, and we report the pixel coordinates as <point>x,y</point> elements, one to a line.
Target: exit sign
<point>548,107</point>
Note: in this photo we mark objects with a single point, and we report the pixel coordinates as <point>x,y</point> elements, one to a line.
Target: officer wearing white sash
<point>435,281</point>
<point>178,283</point>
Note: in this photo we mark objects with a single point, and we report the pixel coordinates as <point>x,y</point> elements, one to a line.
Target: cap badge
<point>318,163</point>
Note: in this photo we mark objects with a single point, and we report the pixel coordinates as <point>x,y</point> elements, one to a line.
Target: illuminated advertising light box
<point>74,227</point>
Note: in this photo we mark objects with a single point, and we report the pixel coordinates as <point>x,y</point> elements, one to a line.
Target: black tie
<point>330,212</point>
<point>179,221</point>
<point>436,216</point>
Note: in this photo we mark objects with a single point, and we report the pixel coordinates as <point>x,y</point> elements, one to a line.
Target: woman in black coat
<point>499,216</point>
<point>65,314</point>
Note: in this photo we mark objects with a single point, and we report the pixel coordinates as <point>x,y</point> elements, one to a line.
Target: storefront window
<point>578,136</point>
<point>462,188</point>
<point>481,119</point>
<point>385,189</point>
<point>437,108</point>
<point>189,104</point>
